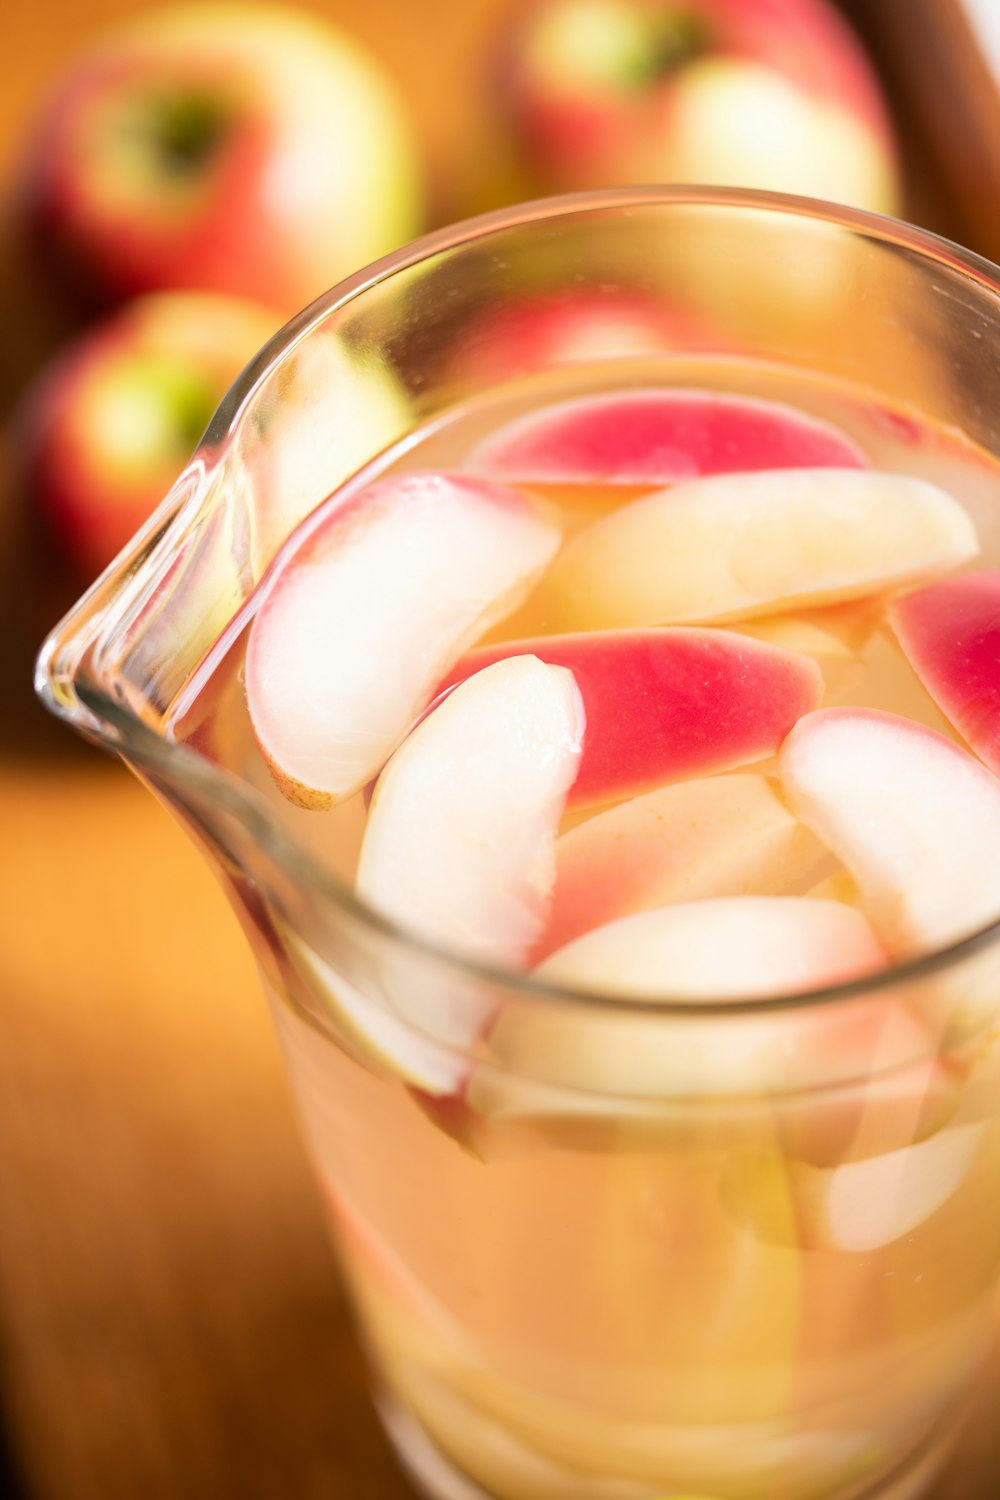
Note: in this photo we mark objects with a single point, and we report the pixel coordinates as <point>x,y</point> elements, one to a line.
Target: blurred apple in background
<point>112,422</point>
<point>247,149</point>
<point>545,328</point>
<point>742,93</point>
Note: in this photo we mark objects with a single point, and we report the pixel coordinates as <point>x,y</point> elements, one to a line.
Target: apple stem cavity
<point>679,39</point>
<point>183,132</point>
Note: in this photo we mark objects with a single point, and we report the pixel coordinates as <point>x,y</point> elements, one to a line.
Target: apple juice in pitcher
<point>676,697</point>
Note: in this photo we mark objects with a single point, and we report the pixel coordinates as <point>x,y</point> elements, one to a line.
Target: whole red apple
<point>249,150</point>
<point>742,93</point>
<point>114,419</point>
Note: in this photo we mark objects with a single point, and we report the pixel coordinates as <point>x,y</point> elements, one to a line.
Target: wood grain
<point>170,1320</point>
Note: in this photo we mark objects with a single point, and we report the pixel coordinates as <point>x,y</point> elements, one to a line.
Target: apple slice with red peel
<point>367,607</point>
<point>734,546</point>
<point>666,704</point>
<point>460,841</point>
<point>857,1207</point>
<point>717,836</point>
<point>660,436</point>
<point>950,633</point>
<point>915,819</point>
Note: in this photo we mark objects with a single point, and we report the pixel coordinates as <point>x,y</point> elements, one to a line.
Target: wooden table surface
<point>170,1319</point>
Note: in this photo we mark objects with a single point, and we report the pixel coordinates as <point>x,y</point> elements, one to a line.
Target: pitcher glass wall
<point>662,1238</point>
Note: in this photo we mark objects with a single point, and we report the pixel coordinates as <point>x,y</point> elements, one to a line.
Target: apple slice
<point>815,1072</point>
<point>660,436</point>
<point>834,635</point>
<point>833,1081</point>
<point>914,817</point>
<point>837,886</point>
<point>459,848</point>
<point>370,1026</point>
<point>830,1084</point>
<point>859,1206</point>
<point>726,948</point>
<point>367,607</point>
<point>460,842</point>
<point>666,704</point>
<point>339,407</point>
<point>718,836</point>
<point>733,546</point>
<point>950,632</point>
<point>839,630</point>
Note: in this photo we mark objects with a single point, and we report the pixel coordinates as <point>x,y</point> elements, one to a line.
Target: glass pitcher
<point>572,1288</point>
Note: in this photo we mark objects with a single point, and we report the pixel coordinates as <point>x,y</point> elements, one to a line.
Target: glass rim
<point>112,725</point>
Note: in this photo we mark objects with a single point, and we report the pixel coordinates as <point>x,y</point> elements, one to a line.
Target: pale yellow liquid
<point>633,1304</point>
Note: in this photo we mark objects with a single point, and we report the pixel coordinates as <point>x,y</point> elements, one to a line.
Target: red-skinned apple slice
<point>666,704</point>
<point>717,836</point>
<point>364,611</point>
<point>734,546</point>
<point>914,817</point>
<point>460,841</point>
<point>950,632</point>
<point>660,436</point>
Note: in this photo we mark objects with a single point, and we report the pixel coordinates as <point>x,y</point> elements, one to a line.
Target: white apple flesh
<point>830,1083</point>
<point>734,546</point>
<point>726,948</point>
<point>915,819</point>
<point>460,842</point>
<point>459,849</point>
<point>365,610</point>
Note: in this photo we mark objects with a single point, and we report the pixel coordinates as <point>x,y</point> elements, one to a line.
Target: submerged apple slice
<point>837,630</point>
<point>666,704</point>
<point>367,607</point>
<point>859,1206</point>
<point>831,1082</point>
<point>915,819</point>
<point>950,632</point>
<point>734,546</point>
<point>718,836</point>
<point>592,1057</point>
<point>727,948</point>
<point>660,436</point>
<point>460,842</point>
